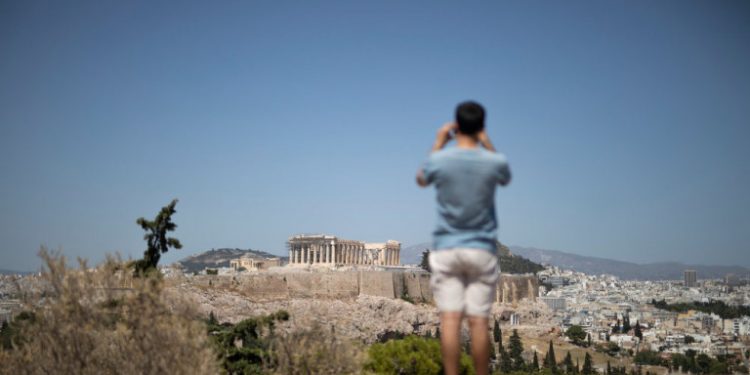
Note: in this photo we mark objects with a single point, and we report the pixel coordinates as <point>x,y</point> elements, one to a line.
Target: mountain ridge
<point>598,265</point>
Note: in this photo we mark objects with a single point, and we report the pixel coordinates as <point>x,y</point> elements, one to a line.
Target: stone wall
<point>414,285</point>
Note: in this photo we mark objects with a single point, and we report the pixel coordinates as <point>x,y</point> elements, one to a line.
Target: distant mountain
<point>215,258</point>
<point>12,272</point>
<point>621,269</point>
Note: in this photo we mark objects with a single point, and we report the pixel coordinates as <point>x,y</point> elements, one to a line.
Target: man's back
<point>466,180</point>
<point>464,264</point>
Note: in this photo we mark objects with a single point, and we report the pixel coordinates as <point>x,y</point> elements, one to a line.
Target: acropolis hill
<point>330,279</point>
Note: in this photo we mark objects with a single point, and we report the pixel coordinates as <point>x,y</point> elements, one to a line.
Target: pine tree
<point>535,363</point>
<point>568,363</point>
<point>156,238</point>
<point>549,360</point>
<point>516,350</point>
<point>588,368</point>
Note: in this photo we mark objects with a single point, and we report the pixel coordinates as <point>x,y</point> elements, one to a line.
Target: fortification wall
<point>348,285</point>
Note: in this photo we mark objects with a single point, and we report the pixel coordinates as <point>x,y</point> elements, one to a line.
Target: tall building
<point>690,278</point>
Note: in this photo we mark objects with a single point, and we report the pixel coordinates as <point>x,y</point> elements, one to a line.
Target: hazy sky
<point>626,123</point>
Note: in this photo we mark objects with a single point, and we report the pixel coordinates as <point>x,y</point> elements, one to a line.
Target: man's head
<point>470,117</point>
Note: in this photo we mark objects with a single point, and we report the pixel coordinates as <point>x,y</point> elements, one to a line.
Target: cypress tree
<point>637,332</point>
<point>505,363</point>
<point>588,368</point>
<point>425,264</point>
<point>535,363</point>
<point>497,334</point>
<point>568,363</point>
<point>626,324</point>
<point>609,369</point>
<point>437,333</point>
<point>549,360</point>
<point>516,350</point>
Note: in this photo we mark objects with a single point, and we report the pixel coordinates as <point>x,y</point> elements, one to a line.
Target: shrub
<point>315,351</point>
<point>244,347</point>
<point>102,320</point>
<point>412,355</point>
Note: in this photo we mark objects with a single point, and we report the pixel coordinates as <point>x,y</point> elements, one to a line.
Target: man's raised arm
<point>444,135</point>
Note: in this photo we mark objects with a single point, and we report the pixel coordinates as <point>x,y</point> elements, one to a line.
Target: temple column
<point>333,252</point>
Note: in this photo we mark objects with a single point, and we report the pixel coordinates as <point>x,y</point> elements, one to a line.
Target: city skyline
<point>625,125</point>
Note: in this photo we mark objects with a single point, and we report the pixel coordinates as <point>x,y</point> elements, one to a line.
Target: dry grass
<point>316,351</point>
<point>101,320</point>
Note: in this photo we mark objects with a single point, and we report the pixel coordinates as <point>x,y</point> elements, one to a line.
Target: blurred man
<point>464,263</point>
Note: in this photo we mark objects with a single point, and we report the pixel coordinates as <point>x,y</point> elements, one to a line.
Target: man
<point>464,263</point>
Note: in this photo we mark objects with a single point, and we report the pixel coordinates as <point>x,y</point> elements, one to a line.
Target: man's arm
<point>421,181</point>
<point>484,140</point>
<point>444,135</point>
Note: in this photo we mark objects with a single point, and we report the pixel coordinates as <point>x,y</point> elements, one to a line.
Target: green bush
<point>412,355</point>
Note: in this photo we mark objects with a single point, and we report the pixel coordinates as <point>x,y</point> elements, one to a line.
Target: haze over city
<point>625,124</point>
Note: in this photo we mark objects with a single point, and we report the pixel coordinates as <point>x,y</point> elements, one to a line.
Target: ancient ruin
<point>322,249</point>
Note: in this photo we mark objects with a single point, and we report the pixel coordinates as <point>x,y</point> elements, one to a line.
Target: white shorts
<point>464,280</point>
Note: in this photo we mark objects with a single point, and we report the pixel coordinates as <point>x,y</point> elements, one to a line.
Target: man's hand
<point>444,135</point>
<point>484,140</point>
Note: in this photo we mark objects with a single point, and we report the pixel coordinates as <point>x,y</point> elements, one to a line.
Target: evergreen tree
<point>549,360</point>
<point>626,324</point>
<point>506,365</point>
<point>212,319</point>
<point>535,363</point>
<point>637,332</point>
<point>493,352</point>
<point>425,264</point>
<point>588,340</point>
<point>588,368</point>
<point>568,363</point>
<point>609,369</point>
<point>516,350</point>
<point>497,334</point>
<point>156,238</point>
<point>437,333</point>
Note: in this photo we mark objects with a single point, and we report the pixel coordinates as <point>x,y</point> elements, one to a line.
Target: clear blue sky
<point>626,123</point>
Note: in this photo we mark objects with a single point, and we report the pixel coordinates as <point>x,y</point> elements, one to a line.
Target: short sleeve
<point>504,175</point>
<point>429,170</point>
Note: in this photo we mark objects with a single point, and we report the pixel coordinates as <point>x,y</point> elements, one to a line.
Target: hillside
<point>220,258</point>
<point>622,269</point>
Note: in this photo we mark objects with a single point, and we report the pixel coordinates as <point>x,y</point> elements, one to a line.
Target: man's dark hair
<point>470,117</point>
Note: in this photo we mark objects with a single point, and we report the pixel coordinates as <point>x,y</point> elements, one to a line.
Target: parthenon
<point>330,250</point>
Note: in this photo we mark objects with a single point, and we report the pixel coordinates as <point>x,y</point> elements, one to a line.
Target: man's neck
<point>466,141</point>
